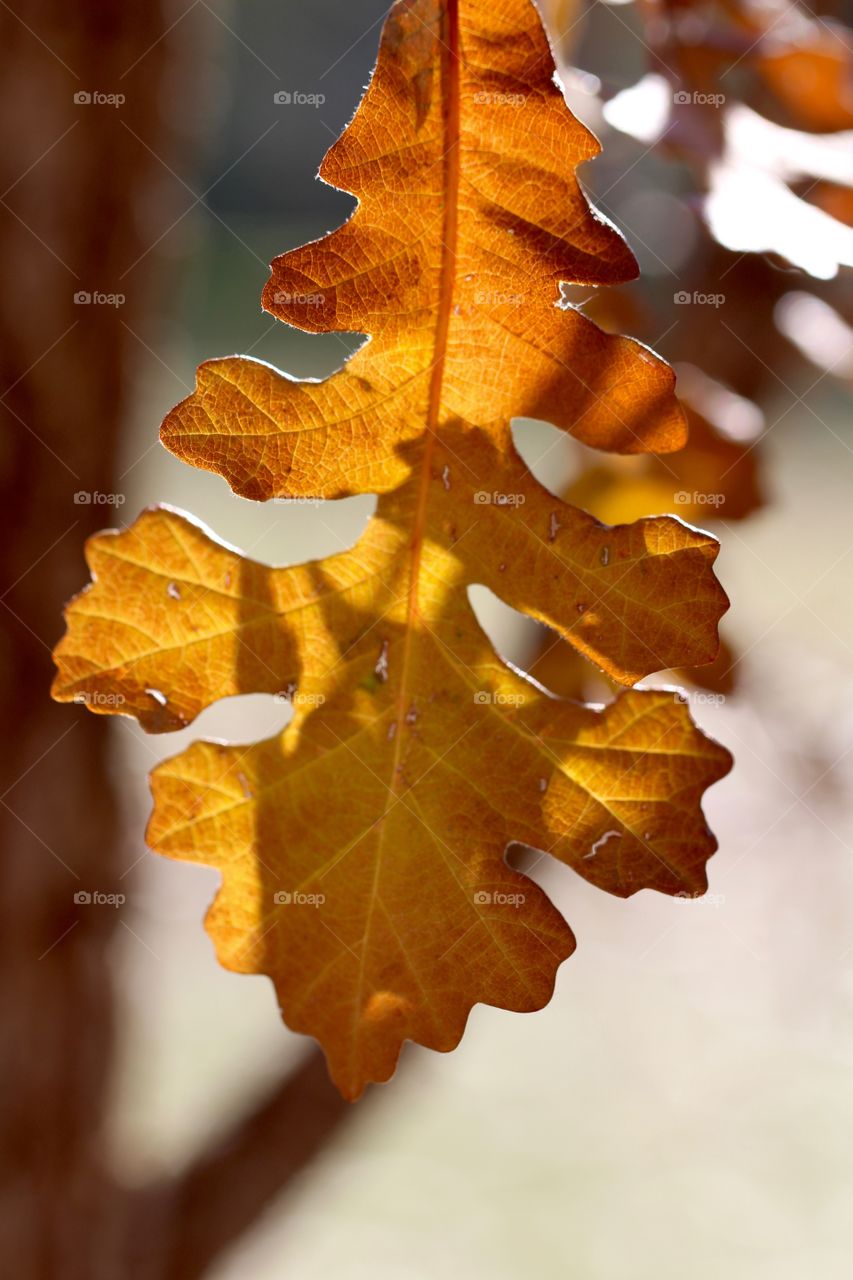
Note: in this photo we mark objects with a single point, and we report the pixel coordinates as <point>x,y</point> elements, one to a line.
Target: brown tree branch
<point>176,1229</point>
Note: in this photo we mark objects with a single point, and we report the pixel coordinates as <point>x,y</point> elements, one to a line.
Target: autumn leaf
<point>815,82</point>
<point>805,61</point>
<point>760,175</point>
<point>715,476</point>
<point>362,851</point>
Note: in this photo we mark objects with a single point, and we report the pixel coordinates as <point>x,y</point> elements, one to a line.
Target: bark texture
<point>76,190</point>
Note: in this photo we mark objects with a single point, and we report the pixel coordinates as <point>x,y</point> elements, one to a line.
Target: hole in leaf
<point>548,453</point>
<point>514,636</point>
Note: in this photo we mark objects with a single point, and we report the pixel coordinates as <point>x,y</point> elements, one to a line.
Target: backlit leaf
<point>362,851</point>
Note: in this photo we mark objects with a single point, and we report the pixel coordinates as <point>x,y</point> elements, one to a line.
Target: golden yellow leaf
<point>715,476</point>
<point>362,850</point>
<point>462,156</point>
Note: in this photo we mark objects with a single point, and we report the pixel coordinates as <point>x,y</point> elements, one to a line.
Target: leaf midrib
<point>450,58</point>
<point>451,104</point>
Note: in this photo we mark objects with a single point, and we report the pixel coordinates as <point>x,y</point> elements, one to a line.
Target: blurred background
<point>685,1103</point>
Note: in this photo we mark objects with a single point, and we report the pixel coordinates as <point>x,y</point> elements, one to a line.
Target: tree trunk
<point>71,190</point>
<point>74,190</point>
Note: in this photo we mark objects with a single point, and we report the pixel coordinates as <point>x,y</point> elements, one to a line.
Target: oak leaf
<point>362,850</point>
<point>715,476</point>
